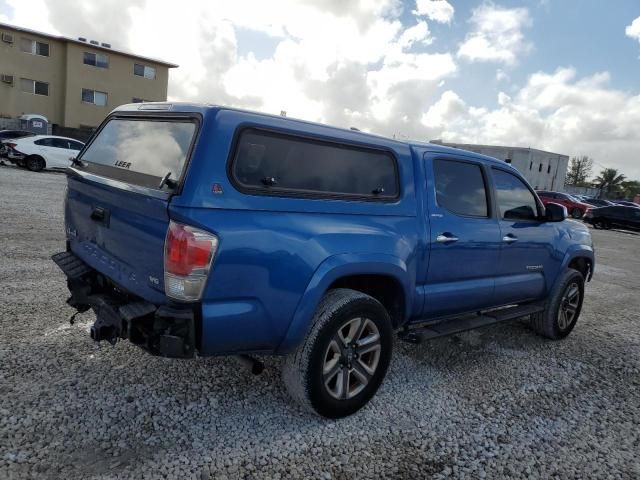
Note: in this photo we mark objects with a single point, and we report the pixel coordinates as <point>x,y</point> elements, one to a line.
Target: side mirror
<point>555,212</point>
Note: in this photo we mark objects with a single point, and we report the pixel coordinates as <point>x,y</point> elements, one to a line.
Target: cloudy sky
<point>560,75</point>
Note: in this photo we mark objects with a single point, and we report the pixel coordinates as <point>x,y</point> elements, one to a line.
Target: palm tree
<point>609,181</point>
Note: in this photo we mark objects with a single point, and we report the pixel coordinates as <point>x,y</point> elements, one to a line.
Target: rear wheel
<point>35,163</point>
<point>563,307</point>
<point>576,213</point>
<point>343,360</point>
<point>602,224</point>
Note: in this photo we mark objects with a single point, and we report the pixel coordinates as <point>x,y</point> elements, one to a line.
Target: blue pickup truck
<point>203,230</point>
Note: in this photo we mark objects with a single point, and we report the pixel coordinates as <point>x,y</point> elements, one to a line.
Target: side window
<point>45,142</point>
<point>515,200</point>
<point>282,163</point>
<point>460,188</point>
<point>60,143</point>
<point>75,145</point>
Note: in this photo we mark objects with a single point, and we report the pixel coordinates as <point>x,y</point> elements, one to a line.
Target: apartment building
<point>73,82</point>
<point>543,170</point>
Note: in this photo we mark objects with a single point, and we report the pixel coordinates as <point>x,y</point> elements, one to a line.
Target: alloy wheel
<point>569,306</point>
<point>351,359</point>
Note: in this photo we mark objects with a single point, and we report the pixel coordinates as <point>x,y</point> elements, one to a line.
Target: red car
<point>575,207</point>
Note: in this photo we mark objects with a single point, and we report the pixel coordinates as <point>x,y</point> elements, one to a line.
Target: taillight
<point>11,145</point>
<point>188,253</point>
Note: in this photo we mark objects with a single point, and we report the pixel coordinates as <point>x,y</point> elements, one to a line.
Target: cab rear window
<point>140,151</point>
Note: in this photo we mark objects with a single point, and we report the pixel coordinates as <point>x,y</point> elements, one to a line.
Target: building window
<point>34,48</point>
<point>144,71</point>
<point>34,87</point>
<point>549,168</point>
<point>96,60</point>
<point>540,167</point>
<point>95,97</point>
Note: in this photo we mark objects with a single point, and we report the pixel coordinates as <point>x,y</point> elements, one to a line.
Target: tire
<point>563,308</point>
<point>323,349</point>
<point>35,163</point>
<point>577,213</point>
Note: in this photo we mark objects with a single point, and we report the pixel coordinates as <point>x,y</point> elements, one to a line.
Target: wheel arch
<point>581,259</point>
<point>35,155</point>
<point>384,277</point>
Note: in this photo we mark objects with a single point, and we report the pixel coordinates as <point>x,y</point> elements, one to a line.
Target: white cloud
<point>448,108</point>
<point>436,10</point>
<point>419,33</point>
<point>496,35</point>
<point>33,14</point>
<point>558,112</point>
<point>501,75</point>
<point>355,64</point>
<point>633,30</point>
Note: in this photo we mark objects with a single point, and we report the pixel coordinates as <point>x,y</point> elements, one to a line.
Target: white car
<point>43,151</point>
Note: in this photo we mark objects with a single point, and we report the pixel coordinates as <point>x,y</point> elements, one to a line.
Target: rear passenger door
<point>527,241</point>
<point>464,241</point>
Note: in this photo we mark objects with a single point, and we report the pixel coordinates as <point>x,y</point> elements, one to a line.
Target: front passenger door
<point>526,268</point>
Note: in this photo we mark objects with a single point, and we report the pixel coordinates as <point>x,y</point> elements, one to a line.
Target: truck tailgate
<point>119,233</point>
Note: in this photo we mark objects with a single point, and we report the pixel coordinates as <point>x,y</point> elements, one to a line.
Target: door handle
<point>101,215</point>
<point>446,238</point>
<point>509,238</point>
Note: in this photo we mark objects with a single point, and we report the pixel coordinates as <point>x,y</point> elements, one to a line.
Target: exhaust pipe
<point>255,365</point>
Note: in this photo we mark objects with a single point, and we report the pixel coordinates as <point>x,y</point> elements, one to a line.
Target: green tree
<point>630,188</point>
<point>609,181</point>
<point>579,170</point>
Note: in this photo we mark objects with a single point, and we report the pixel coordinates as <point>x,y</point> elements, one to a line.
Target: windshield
<point>140,151</point>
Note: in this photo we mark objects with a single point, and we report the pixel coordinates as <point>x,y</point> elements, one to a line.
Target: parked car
<point>43,151</point>
<point>6,135</point>
<point>597,202</point>
<point>575,207</point>
<point>209,230</point>
<point>627,204</point>
<point>614,216</point>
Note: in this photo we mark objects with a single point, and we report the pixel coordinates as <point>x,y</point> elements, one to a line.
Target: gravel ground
<point>497,402</point>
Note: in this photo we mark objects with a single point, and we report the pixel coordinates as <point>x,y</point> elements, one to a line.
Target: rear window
<point>268,162</point>
<point>140,151</point>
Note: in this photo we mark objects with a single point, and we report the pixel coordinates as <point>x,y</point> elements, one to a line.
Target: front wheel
<point>563,307</point>
<point>576,213</point>
<point>343,360</point>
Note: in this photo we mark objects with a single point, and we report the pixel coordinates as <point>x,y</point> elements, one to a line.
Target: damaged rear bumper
<point>164,330</point>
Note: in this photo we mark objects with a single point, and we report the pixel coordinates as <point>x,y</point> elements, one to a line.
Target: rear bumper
<point>163,330</point>
<point>15,156</point>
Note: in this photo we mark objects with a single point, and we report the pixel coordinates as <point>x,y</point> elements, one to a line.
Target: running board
<point>453,325</point>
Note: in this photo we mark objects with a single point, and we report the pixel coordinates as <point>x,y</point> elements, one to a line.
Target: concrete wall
<point>67,75</point>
